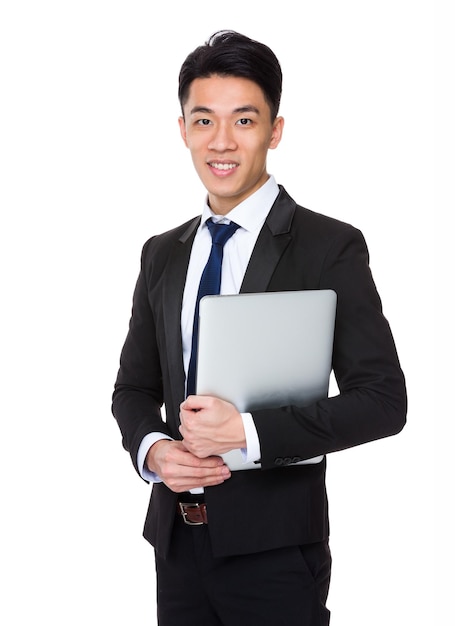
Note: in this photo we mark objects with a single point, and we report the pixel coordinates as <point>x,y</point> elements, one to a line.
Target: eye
<point>244,121</point>
<point>203,122</point>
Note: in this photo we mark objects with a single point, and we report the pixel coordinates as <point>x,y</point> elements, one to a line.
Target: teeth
<point>223,166</point>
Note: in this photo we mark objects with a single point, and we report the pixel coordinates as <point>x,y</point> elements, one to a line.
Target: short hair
<point>228,53</point>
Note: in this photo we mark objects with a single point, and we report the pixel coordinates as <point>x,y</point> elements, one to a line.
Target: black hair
<point>228,53</point>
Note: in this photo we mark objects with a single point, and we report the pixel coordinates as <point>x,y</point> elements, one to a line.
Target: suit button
<point>279,461</point>
<point>287,460</point>
<point>296,459</point>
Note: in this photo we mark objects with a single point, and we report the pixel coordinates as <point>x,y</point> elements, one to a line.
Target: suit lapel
<point>173,287</point>
<point>273,239</point>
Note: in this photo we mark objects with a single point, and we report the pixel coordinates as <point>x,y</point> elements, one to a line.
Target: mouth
<point>220,166</point>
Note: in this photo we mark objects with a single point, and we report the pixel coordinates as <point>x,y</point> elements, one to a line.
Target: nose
<point>222,138</point>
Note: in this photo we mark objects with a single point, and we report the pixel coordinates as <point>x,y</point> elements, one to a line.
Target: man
<point>246,547</point>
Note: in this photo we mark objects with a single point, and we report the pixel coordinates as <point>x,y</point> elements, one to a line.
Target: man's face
<point>228,130</point>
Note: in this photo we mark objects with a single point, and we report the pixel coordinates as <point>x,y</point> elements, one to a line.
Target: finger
<point>188,459</point>
<point>195,403</point>
<point>179,481</point>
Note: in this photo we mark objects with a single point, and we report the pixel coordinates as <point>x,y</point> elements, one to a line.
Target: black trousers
<point>287,587</point>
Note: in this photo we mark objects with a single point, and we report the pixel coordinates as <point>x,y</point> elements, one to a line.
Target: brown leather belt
<point>193,513</point>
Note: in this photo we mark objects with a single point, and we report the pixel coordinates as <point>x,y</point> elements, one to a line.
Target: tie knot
<point>221,232</point>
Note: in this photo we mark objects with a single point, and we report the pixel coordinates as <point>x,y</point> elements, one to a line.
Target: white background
<point>92,164</point>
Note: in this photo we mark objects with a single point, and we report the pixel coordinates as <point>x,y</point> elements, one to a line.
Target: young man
<point>246,547</point>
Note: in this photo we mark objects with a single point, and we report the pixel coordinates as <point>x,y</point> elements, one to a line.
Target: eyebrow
<point>248,108</point>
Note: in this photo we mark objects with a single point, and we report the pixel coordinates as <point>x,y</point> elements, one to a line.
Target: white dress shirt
<point>250,215</point>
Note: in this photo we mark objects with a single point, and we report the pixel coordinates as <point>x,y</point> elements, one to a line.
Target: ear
<point>183,130</point>
<point>277,132</point>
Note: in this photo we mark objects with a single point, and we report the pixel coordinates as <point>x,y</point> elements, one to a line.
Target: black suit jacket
<point>279,504</point>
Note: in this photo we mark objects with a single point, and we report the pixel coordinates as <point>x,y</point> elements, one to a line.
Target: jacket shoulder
<point>309,223</point>
<point>165,241</point>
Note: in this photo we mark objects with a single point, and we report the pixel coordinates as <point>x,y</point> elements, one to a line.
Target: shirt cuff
<point>145,446</point>
<point>252,452</point>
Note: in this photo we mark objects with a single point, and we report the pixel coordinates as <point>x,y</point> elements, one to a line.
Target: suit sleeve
<point>138,391</point>
<point>372,396</point>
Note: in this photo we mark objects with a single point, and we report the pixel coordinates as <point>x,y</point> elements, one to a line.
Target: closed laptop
<point>266,350</point>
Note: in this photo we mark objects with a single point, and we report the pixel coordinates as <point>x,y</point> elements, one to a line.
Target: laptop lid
<point>265,350</point>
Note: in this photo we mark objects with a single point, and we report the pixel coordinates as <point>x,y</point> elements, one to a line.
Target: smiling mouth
<point>223,166</point>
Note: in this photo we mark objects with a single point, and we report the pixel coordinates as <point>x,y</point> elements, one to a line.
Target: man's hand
<point>181,470</point>
<point>210,426</point>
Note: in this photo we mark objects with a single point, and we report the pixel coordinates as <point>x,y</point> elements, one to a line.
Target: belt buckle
<point>193,505</point>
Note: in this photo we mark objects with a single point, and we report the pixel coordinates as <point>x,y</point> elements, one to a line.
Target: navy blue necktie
<point>209,285</point>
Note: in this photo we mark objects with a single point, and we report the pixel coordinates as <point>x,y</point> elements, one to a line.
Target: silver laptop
<point>266,350</point>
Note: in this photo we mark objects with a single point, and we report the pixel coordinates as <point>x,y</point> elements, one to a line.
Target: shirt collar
<point>251,213</point>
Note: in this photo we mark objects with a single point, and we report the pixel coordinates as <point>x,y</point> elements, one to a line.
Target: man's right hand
<point>181,470</point>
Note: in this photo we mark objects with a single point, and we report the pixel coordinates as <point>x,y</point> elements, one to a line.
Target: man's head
<point>228,53</point>
<point>230,93</point>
